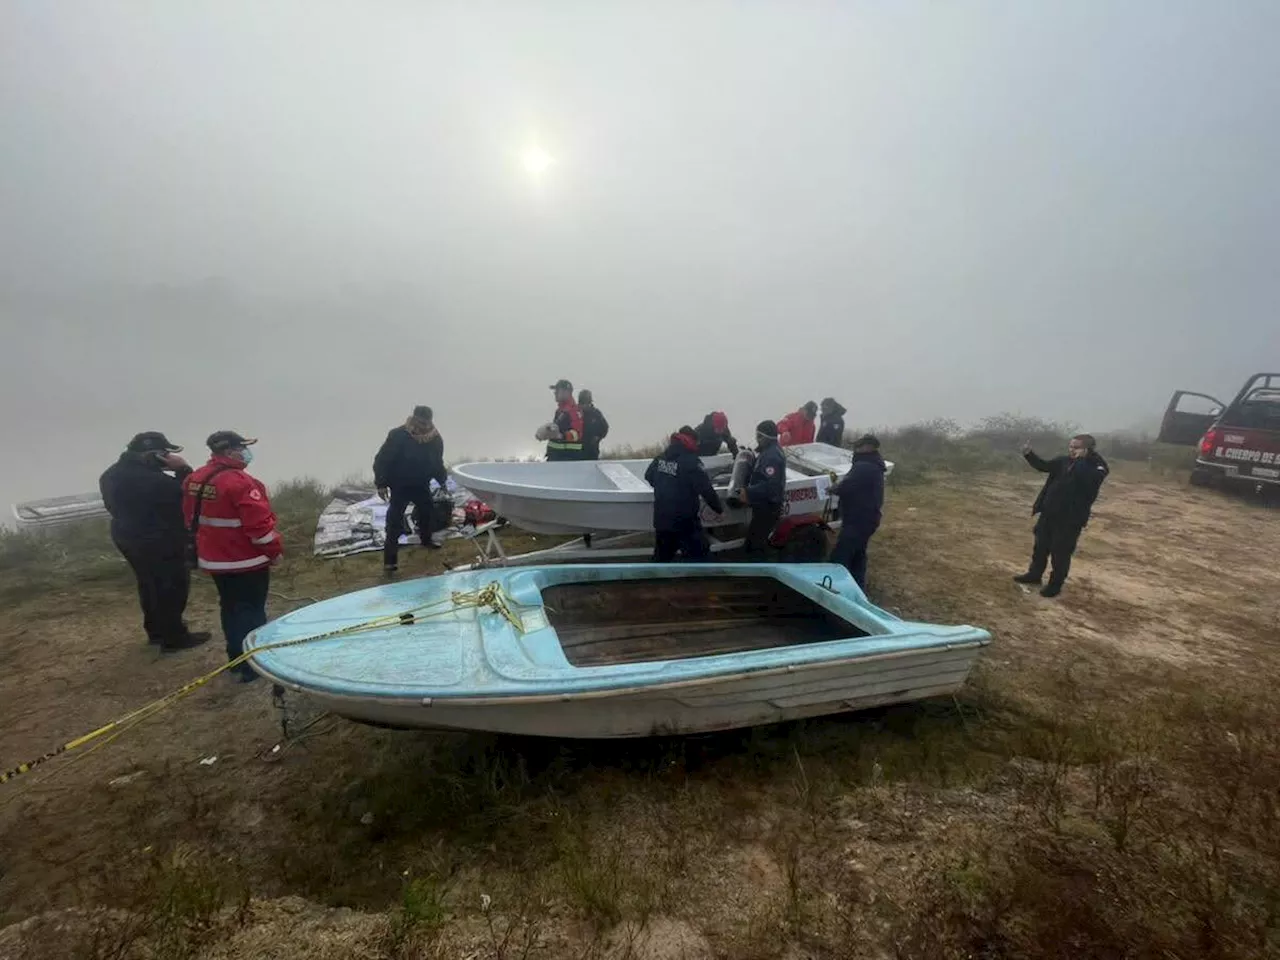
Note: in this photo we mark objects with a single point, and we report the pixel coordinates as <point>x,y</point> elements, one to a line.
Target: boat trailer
<point>797,539</point>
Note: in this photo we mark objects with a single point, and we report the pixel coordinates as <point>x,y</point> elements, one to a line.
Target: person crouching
<point>680,484</point>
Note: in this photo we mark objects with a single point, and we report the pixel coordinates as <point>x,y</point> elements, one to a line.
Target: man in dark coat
<point>410,458</point>
<point>713,432</point>
<point>765,490</point>
<point>861,494</point>
<point>143,493</point>
<point>594,426</point>
<point>1063,506</point>
<point>832,429</point>
<point>680,485</point>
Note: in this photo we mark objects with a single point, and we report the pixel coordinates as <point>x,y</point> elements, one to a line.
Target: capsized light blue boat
<point>611,650</point>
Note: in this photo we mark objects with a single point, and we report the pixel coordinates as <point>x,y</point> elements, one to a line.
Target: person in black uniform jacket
<point>145,503</point>
<point>410,458</point>
<point>714,431</point>
<point>1064,505</point>
<point>861,494</point>
<point>594,426</point>
<point>765,490</point>
<point>832,429</point>
<point>679,484</point>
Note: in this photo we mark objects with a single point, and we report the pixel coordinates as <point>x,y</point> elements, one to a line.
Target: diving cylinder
<point>741,471</point>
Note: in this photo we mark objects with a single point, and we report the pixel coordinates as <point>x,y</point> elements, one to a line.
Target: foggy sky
<point>298,219</point>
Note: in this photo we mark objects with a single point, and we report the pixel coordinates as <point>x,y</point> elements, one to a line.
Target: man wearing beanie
<point>765,490</point>
<point>861,494</point>
<point>409,459</point>
<point>680,484</point>
<point>713,433</point>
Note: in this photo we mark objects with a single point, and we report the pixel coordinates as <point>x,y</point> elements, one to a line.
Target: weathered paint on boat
<point>470,669</point>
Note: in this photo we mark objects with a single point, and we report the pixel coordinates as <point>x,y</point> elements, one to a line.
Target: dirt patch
<point>778,841</point>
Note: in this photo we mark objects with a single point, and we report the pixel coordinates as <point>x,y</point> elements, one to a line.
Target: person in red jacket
<point>564,433</point>
<point>236,537</point>
<point>798,427</point>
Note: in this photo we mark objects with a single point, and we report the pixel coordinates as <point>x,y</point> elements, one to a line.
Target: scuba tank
<point>741,471</point>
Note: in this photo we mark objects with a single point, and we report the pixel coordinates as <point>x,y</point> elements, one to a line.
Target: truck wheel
<point>1201,478</point>
<point>806,544</point>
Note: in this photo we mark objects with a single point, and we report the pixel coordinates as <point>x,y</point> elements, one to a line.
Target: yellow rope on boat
<point>491,596</point>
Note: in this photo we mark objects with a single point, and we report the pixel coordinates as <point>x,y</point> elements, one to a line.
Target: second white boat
<point>599,496</point>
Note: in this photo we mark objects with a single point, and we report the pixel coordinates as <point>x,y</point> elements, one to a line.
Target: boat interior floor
<point>634,621</point>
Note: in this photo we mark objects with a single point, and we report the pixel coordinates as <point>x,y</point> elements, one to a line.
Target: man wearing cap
<point>680,485</point>
<point>145,503</point>
<point>594,426</point>
<point>713,432</point>
<point>236,538</point>
<point>832,429</point>
<point>798,427</point>
<point>409,459</point>
<point>765,490</point>
<point>861,494</point>
<point>564,433</point>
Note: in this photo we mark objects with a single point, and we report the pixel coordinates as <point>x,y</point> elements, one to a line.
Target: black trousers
<point>687,539</point>
<point>163,585</point>
<point>763,519</point>
<point>242,601</point>
<point>850,552</point>
<point>1055,541</point>
<point>401,497</point>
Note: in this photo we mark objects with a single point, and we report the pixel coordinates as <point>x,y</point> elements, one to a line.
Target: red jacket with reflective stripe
<point>237,529</point>
<point>796,428</point>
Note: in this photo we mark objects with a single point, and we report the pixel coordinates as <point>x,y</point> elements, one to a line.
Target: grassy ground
<point>1108,784</point>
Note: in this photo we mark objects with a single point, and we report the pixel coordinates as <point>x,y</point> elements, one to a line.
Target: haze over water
<point>299,219</point>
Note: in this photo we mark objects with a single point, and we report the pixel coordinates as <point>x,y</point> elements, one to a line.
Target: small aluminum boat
<point>611,650</point>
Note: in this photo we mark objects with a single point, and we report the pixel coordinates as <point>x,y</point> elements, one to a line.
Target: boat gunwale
<point>830,586</point>
<point>641,688</point>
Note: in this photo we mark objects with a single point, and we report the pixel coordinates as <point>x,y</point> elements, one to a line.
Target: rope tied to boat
<point>490,596</point>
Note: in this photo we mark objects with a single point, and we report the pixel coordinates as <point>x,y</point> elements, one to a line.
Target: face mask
<point>246,456</point>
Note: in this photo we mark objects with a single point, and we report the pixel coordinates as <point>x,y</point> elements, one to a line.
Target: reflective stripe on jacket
<point>237,530</point>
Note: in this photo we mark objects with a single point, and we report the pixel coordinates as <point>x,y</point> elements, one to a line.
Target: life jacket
<point>571,439</point>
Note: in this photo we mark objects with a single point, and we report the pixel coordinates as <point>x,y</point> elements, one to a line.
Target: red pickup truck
<point>1239,442</point>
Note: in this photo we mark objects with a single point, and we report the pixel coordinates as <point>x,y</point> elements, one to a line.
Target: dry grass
<point>1108,785</point>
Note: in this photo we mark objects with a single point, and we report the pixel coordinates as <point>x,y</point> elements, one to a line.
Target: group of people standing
<point>577,428</point>
<point>681,485</point>
<point>168,519</point>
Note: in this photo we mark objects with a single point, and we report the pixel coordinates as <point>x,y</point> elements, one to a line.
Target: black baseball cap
<point>562,385</point>
<point>228,440</point>
<point>867,440</point>
<point>152,441</point>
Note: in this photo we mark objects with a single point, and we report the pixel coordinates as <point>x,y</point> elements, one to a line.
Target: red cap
<point>720,422</point>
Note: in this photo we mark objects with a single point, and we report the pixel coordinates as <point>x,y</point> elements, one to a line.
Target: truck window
<point>1259,410</point>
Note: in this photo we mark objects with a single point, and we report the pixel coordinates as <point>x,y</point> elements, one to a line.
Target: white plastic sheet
<point>355,521</point>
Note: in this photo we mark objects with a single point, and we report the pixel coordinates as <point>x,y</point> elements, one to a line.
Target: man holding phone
<point>143,493</point>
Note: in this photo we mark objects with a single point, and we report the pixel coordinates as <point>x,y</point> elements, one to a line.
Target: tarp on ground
<point>355,520</point>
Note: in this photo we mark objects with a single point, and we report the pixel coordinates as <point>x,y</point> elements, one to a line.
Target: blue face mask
<point>246,456</point>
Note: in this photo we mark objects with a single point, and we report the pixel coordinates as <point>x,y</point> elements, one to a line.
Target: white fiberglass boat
<point>600,496</point>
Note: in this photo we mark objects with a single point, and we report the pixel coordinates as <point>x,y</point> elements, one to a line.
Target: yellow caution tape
<point>490,596</point>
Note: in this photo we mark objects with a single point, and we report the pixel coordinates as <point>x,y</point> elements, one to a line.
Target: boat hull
<point>755,699</point>
<point>610,650</point>
<point>611,496</point>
